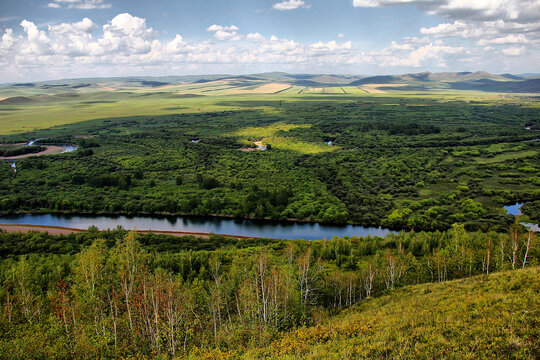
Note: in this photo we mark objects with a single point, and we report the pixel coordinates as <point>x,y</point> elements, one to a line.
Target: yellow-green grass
<point>506,156</point>
<point>18,118</point>
<point>268,135</point>
<point>484,317</point>
<point>52,107</point>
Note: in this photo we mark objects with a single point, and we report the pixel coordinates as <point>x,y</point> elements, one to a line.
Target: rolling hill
<point>428,81</point>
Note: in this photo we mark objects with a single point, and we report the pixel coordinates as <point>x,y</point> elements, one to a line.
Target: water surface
<point>254,228</point>
<point>513,209</point>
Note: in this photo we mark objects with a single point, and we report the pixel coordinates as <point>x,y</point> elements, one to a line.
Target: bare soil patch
<point>58,230</point>
<point>265,89</point>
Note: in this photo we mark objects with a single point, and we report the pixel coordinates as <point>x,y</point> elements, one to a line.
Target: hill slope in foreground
<point>495,316</point>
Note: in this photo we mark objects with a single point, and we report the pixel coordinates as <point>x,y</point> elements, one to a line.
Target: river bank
<point>59,230</point>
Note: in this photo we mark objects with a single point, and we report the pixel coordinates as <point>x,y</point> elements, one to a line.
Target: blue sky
<point>77,38</point>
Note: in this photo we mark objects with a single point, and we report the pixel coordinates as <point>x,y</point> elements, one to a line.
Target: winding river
<point>196,224</point>
<point>216,225</point>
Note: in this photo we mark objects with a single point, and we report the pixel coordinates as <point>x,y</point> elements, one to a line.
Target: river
<point>216,225</point>
<point>225,226</point>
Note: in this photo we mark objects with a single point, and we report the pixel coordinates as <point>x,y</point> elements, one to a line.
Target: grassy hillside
<point>494,317</point>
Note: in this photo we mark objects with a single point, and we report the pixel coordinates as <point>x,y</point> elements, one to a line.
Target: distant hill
<point>423,81</point>
<point>479,81</point>
<point>15,100</point>
<point>384,79</point>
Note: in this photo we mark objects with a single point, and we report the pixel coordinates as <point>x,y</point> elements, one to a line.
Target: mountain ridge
<point>464,80</point>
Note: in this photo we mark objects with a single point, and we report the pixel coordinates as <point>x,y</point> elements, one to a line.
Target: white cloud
<point>215,27</point>
<point>514,51</point>
<point>521,11</point>
<point>256,37</point>
<point>458,28</point>
<point>341,36</point>
<point>505,40</point>
<point>416,52</point>
<point>331,46</point>
<point>125,34</point>
<point>127,45</point>
<point>396,46</point>
<point>490,23</point>
<point>291,5</point>
<point>84,26</point>
<point>80,4</point>
<point>7,40</point>
<point>225,32</point>
<point>38,42</point>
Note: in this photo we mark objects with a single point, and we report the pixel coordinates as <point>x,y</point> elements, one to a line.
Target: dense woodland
<point>116,294</point>
<point>399,162</point>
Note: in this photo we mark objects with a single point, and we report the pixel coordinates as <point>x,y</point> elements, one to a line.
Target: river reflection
<point>255,228</point>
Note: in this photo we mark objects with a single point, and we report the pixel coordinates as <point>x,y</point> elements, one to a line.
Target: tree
<point>530,239</point>
<point>89,287</point>
<point>128,260</point>
<point>514,244</point>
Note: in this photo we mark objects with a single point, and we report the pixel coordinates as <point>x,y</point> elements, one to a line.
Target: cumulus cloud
<point>291,5</point>
<point>225,32</point>
<point>416,52</point>
<point>7,40</point>
<point>514,51</point>
<point>80,4</point>
<point>256,37</point>
<point>492,23</point>
<point>458,28</point>
<point>331,46</point>
<point>37,41</point>
<point>128,45</point>
<point>215,27</point>
<point>125,34</point>
<point>84,26</point>
<point>505,40</point>
<point>521,11</point>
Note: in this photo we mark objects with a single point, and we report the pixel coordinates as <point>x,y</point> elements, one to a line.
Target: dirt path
<point>58,230</point>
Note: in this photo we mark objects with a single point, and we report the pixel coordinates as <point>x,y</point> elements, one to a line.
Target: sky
<point>53,39</point>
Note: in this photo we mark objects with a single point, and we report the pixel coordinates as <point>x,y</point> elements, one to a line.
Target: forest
<point>119,294</point>
<point>399,161</point>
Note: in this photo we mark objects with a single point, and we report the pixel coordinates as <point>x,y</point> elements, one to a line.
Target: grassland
<point>29,108</point>
<point>278,136</point>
